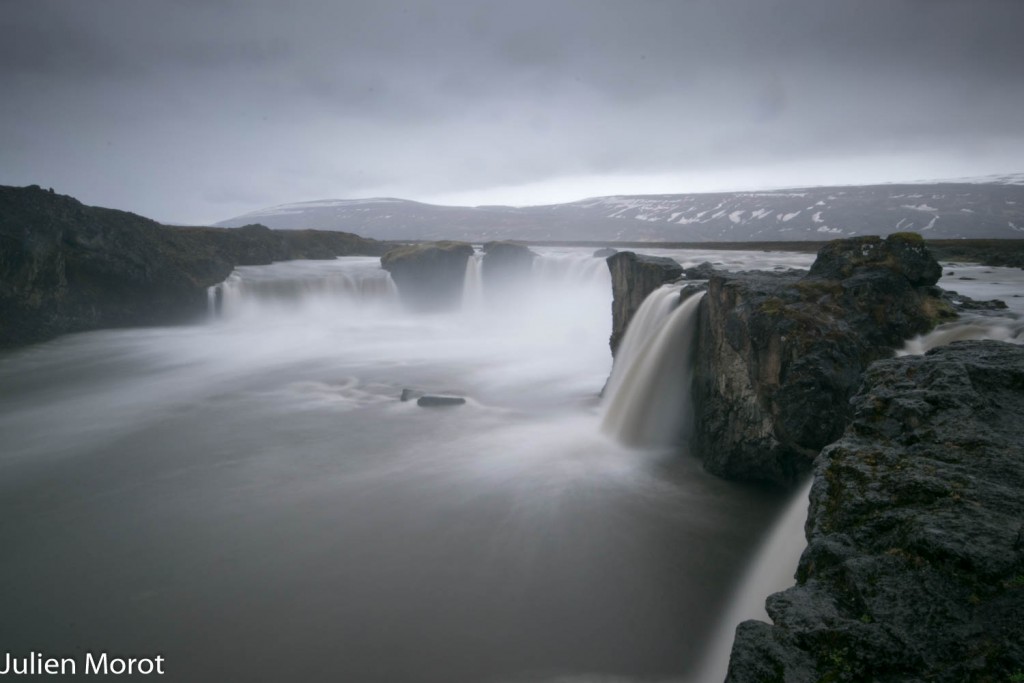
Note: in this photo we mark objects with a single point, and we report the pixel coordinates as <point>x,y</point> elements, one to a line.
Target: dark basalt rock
<point>429,276</point>
<point>439,401</point>
<point>703,271</point>
<point>67,267</point>
<point>961,302</point>
<point>914,569</point>
<point>605,252</point>
<point>780,354</point>
<point>505,265</point>
<point>904,253</point>
<point>634,276</point>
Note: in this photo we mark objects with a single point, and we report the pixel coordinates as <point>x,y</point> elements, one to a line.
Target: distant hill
<point>945,210</point>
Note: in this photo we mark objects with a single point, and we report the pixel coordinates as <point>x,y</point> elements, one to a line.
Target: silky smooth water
<point>248,497</point>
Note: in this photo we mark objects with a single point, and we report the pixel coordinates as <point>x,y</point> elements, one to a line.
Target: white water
<point>648,401</point>
<point>473,283</point>
<point>642,329</point>
<point>352,282</point>
<point>984,283</point>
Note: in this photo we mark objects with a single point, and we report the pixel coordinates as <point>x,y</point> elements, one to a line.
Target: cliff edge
<point>780,354</point>
<point>914,569</point>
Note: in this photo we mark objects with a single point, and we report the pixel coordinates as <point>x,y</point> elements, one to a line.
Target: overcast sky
<point>199,110</point>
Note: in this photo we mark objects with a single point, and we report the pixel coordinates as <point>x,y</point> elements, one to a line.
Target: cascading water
<point>773,570</point>
<point>554,268</point>
<point>473,283</point>
<point>350,281</point>
<point>1007,328</point>
<point>647,402</point>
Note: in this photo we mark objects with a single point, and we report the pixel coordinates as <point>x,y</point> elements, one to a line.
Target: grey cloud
<point>210,106</point>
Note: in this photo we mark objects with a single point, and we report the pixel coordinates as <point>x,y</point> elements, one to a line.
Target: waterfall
<point>1007,328</point>
<point>647,402</point>
<point>571,269</point>
<point>292,284</point>
<point>773,570</point>
<point>473,283</point>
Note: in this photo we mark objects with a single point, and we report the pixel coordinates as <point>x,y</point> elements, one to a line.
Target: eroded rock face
<point>914,569</point>
<point>634,276</point>
<point>67,267</point>
<point>429,276</point>
<point>780,354</point>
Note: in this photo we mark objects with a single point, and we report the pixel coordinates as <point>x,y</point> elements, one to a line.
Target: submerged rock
<point>634,276</point>
<point>914,569</point>
<point>439,401</point>
<point>780,354</point>
<point>429,276</point>
<point>409,394</point>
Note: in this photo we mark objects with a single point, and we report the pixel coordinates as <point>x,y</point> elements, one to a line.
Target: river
<point>249,498</point>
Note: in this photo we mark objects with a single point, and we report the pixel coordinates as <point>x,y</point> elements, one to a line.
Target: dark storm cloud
<point>199,110</point>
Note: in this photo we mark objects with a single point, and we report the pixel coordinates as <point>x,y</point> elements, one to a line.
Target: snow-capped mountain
<point>993,208</point>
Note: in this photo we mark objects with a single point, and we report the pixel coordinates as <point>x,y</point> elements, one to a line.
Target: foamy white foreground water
<point>249,498</point>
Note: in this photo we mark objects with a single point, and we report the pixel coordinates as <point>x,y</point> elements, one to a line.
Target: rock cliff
<point>780,354</point>
<point>634,276</point>
<point>914,569</point>
<point>67,267</point>
<point>429,276</point>
<point>505,265</point>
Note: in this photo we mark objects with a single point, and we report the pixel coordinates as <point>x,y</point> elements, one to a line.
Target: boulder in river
<point>506,265</point>
<point>432,401</point>
<point>429,276</point>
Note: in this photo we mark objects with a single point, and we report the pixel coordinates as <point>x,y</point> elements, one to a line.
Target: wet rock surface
<point>914,569</point>
<point>429,276</point>
<point>634,276</point>
<point>505,265</point>
<point>67,267</point>
<point>780,354</point>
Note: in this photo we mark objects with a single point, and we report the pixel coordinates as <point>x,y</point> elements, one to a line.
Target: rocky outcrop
<point>780,354</point>
<point>67,267</point>
<point>505,265</point>
<point>914,569</point>
<point>634,276</point>
<point>429,276</point>
<point>702,271</point>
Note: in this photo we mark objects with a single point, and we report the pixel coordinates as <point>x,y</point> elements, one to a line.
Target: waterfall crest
<point>295,283</point>
<point>647,401</point>
<point>571,268</point>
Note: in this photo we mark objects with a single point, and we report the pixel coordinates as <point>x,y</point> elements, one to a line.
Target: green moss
<point>772,306</point>
<point>1015,582</point>
<point>908,237</point>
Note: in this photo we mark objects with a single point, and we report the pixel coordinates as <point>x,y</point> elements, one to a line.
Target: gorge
<point>252,481</point>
